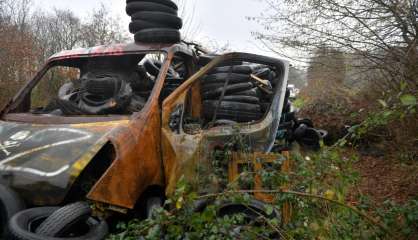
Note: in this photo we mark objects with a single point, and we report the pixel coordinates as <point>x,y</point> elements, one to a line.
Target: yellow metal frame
<point>257,159</point>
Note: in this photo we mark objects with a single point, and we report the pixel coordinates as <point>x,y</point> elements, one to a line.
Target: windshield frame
<point>20,99</point>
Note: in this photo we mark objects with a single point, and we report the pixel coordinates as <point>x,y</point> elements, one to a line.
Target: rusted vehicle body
<point>48,159</point>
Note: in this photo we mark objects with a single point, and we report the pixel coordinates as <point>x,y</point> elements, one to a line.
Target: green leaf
<point>408,100</point>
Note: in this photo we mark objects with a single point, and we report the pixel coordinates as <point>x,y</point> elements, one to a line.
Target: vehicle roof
<point>117,50</point>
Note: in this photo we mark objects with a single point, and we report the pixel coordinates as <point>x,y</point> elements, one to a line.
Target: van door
<point>195,122</point>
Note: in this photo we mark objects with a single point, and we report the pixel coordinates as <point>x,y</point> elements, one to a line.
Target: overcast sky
<point>221,20</point>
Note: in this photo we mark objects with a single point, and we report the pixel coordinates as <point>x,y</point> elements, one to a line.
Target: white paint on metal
<point>4,165</point>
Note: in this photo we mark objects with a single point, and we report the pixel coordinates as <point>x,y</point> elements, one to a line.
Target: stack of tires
<point>243,101</point>
<point>154,21</point>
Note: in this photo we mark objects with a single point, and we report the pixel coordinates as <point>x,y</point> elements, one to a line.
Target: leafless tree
<point>382,33</point>
<point>102,28</point>
<point>54,32</point>
<point>187,11</point>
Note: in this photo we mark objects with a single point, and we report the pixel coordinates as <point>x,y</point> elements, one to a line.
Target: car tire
<point>254,92</point>
<point>240,69</point>
<point>211,86</point>
<point>134,7</point>
<point>222,77</point>
<point>21,226</point>
<point>229,90</point>
<point>57,224</point>
<point>139,25</point>
<point>167,3</point>
<point>10,204</point>
<point>158,35</point>
<point>159,18</point>
<point>241,99</point>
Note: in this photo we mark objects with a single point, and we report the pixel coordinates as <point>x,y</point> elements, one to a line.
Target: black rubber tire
<point>306,121</point>
<point>211,86</point>
<point>160,18</point>
<point>167,3</point>
<point>229,90</point>
<point>254,92</point>
<point>58,223</point>
<point>241,99</point>
<point>20,226</point>
<point>134,7</point>
<point>222,77</point>
<point>151,68</point>
<point>158,35</point>
<point>138,25</point>
<point>10,204</point>
<point>234,106</point>
<point>263,73</point>
<point>242,69</point>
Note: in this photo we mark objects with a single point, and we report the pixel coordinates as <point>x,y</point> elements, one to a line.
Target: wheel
<point>10,204</point>
<point>158,35</point>
<point>22,226</point>
<point>165,19</point>
<point>167,3</point>
<point>137,6</point>
<point>63,219</point>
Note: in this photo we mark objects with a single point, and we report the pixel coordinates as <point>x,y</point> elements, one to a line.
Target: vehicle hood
<point>42,162</point>
<point>47,151</point>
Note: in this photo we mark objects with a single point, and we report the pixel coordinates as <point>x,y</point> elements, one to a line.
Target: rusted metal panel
<point>42,161</point>
<point>138,164</point>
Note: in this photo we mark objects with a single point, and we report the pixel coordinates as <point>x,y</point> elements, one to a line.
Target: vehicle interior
<point>237,93</point>
<point>100,86</point>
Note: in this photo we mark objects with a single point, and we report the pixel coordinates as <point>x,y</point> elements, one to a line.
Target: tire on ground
<point>20,223</point>
<point>63,219</point>
<point>158,35</point>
